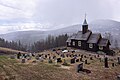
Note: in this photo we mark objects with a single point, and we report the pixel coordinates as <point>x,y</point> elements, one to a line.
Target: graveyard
<point>59,64</point>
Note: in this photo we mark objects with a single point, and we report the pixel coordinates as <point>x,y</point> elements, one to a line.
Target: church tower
<point>84,26</point>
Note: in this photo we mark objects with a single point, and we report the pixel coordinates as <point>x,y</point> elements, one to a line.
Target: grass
<point>12,69</point>
<point>10,51</point>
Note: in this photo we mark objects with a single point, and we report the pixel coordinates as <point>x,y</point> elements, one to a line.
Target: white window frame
<point>73,43</point>
<point>101,47</point>
<point>79,43</point>
<point>69,43</point>
<point>91,46</point>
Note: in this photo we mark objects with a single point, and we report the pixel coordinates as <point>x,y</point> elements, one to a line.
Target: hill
<point>9,51</point>
<point>101,26</point>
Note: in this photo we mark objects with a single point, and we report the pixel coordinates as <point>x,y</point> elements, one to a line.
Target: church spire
<point>85,21</point>
<point>84,26</point>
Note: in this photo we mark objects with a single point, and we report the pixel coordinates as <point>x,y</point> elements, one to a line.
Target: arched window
<point>101,47</point>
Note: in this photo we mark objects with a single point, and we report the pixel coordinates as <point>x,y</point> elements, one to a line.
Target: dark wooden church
<point>87,40</point>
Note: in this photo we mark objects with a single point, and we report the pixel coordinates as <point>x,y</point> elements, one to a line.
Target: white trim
<point>79,43</point>
<point>91,46</point>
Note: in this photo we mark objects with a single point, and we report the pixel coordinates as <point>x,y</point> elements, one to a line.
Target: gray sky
<point>38,14</point>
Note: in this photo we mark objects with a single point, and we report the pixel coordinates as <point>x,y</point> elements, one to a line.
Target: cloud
<point>38,14</point>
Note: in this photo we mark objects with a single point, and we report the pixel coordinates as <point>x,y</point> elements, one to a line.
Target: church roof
<point>103,42</point>
<point>81,36</point>
<point>68,40</point>
<point>94,38</point>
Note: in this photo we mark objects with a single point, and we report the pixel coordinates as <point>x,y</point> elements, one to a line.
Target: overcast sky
<point>37,14</point>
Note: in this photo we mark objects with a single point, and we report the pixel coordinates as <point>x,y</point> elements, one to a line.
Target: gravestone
<point>94,56</point>
<point>59,60</point>
<point>41,59</point>
<point>80,67</point>
<point>113,64</point>
<point>98,55</point>
<point>54,57</point>
<point>39,55</point>
<point>65,63</point>
<point>77,60</point>
<point>18,55</point>
<point>67,55</point>
<point>79,55</point>
<point>50,61</point>
<point>72,61</point>
<point>23,60</point>
<point>28,58</point>
<point>45,56</point>
<point>100,59</point>
<point>85,61</point>
<point>82,56</point>
<point>106,62</point>
<point>12,57</point>
<point>91,58</point>
<point>34,61</point>
<point>118,77</point>
<point>118,60</point>
<point>81,59</point>
<point>89,54</point>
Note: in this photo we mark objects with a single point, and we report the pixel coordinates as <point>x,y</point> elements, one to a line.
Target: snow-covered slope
<point>101,26</point>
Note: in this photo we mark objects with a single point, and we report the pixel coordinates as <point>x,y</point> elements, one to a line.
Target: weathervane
<point>85,15</point>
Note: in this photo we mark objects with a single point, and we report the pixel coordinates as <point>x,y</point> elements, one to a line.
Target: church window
<point>90,45</point>
<point>101,47</point>
<point>73,43</point>
<point>79,43</point>
<point>69,43</point>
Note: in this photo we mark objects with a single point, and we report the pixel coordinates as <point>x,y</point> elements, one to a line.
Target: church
<point>87,40</point>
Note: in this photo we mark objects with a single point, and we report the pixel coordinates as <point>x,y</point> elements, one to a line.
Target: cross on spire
<point>85,21</point>
<point>85,15</point>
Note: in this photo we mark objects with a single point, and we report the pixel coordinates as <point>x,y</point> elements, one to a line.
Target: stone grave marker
<point>118,77</point>
<point>86,61</point>
<point>77,60</point>
<point>82,56</point>
<point>19,55</point>
<point>118,60</point>
<point>12,57</point>
<point>91,58</point>
<point>113,64</point>
<point>80,67</point>
<point>50,61</point>
<point>106,62</point>
<point>98,55</point>
<point>23,60</point>
<point>45,56</point>
<point>72,61</point>
<point>59,60</point>
<point>81,59</point>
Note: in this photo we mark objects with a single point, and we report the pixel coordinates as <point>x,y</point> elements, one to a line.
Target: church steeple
<point>84,26</point>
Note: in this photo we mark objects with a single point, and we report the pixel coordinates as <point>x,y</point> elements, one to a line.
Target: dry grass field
<point>13,69</point>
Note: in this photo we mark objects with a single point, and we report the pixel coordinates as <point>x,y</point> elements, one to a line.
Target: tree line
<point>12,45</point>
<point>49,42</point>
